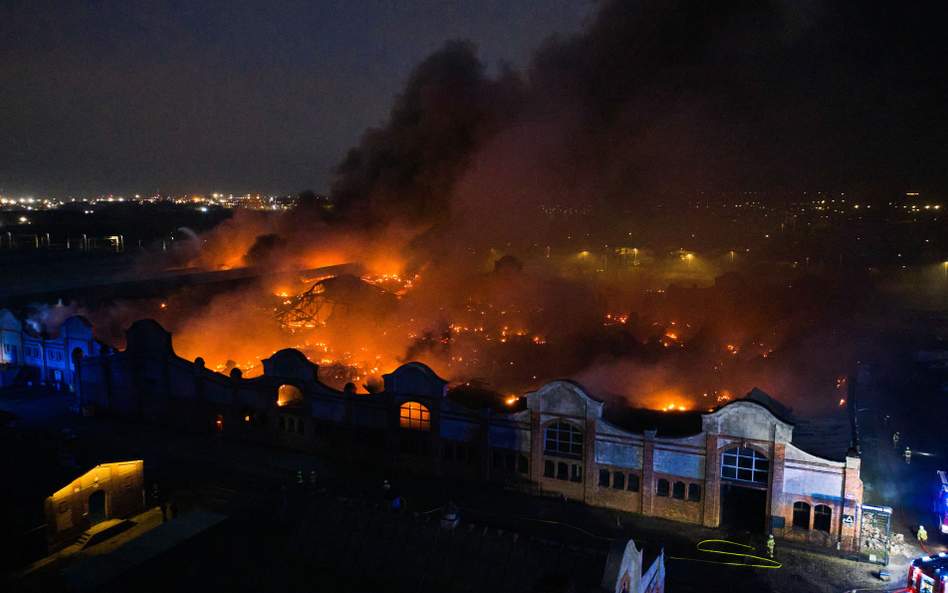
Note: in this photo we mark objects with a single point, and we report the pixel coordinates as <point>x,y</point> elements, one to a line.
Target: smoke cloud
<point>654,102</point>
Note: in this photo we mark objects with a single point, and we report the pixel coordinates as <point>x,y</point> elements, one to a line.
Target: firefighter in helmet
<point>922,534</point>
<point>908,455</point>
<point>770,546</point>
<point>895,440</point>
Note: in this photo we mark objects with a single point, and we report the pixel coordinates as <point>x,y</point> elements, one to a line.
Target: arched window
<point>548,469</point>
<point>801,515</point>
<point>633,482</point>
<point>694,492</point>
<point>415,415</point>
<point>744,465</point>
<point>564,439</point>
<point>604,478</point>
<point>618,480</point>
<point>562,471</point>
<point>662,489</point>
<point>289,395</point>
<point>678,490</point>
<point>822,517</point>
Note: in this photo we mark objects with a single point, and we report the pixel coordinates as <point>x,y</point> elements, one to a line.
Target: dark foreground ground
<point>253,549</point>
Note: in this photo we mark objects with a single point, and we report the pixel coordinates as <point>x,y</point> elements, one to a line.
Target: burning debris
<point>345,295</point>
<point>470,169</point>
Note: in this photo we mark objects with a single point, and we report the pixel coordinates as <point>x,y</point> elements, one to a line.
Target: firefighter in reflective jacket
<point>895,440</point>
<point>908,455</point>
<point>770,546</point>
<point>922,534</point>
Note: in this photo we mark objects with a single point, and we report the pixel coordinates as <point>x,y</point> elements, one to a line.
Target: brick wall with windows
<point>679,499</point>
<point>617,488</point>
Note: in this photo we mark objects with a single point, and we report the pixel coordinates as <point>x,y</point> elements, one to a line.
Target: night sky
<point>203,95</point>
<point>681,96</point>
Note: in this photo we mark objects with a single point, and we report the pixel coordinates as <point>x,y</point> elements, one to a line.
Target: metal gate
<point>874,534</point>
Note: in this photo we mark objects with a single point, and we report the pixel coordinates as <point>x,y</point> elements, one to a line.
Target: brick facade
<point>558,444</point>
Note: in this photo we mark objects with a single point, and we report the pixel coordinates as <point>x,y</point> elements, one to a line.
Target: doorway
<point>743,507</point>
<point>96,507</point>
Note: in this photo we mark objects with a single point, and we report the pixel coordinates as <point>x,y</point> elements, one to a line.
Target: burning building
<point>737,464</point>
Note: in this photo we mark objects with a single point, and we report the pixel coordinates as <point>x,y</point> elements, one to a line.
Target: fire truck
<point>929,574</point>
<point>940,501</point>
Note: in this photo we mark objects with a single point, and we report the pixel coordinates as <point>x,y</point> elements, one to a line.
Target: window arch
<point>289,395</point>
<point>562,471</point>
<point>801,515</point>
<point>662,489</point>
<point>633,482</point>
<point>694,492</point>
<point>822,517</point>
<point>745,465</point>
<point>618,480</point>
<point>678,490</point>
<point>604,478</point>
<point>415,415</point>
<point>564,439</point>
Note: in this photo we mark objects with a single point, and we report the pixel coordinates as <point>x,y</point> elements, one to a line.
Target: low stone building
<point>736,465</point>
<point>112,490</point>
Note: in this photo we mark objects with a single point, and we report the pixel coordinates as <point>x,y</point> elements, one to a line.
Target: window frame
<point>694,492</point>
<point>562,470</point>
<point>823,516</point>
<point>633,483</point>
<point>746,465</point>
<point>414,415</point>
<point>555,443</point>
<point>798,507</point>
<point>605,477</point>
<point>662,488</point>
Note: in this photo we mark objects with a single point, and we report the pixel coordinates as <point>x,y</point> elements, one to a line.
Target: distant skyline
<point>207,95</point>
<point>630,98</point>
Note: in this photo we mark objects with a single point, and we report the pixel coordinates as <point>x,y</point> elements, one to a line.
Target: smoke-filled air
<point>508,229</point>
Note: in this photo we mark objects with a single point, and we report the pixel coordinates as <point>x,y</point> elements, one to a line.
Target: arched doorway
<point>97,507</point>
<point>745,476</point>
